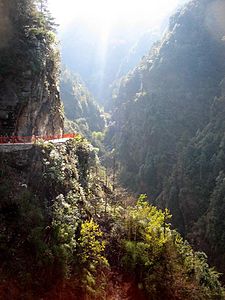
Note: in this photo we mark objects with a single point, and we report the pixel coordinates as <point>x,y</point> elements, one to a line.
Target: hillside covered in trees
<point>168,128</point>
<point>79,105</point>
<point>64,236</point>
<point>68,230</point>
<point>98,66</point>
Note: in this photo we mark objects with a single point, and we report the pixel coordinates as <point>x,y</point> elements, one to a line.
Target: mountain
<point>104,57</point>
<point>29,96</point>
<point>196,185</point>
<point>67,229</point>
<point>164,105</point>
<point>137,51</point>
<point>98,61</point>
<point>80,106</point>
<point>61,230</point>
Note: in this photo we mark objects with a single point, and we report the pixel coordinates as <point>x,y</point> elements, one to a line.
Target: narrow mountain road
<point>11,147</point>
<point>16,143</point>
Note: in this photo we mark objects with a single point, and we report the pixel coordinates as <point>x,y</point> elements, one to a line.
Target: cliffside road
<point>58,140</point>
<point>11,147</point>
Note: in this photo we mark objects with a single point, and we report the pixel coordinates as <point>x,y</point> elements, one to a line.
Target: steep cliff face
<point>41,114</point>
<point>64,232</point>
<point>135,54</point>
<point>31,106</point>
<point>166,99</point>
<point>29,96</point>
<point>167,129</point>
<point>196,187</point>
<point>79,104</point>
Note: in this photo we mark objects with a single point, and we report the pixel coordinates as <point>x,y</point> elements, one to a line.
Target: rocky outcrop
<point>33,107</point>
<point>29,96</point>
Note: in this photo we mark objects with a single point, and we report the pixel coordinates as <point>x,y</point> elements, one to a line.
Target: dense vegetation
<point>28,36</point>
<point>168,130</point>
<point>67,230</point>
<point>197,185</point>
<point>79,105</point>
<point>64,225</point>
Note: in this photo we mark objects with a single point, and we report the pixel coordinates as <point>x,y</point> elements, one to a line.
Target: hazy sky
<point>104,14</point>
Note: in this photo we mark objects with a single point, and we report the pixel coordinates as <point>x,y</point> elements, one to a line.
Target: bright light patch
<point>105,19</point>
<point>107,13</point>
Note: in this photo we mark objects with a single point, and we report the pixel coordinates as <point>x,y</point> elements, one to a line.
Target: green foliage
<point>196,266</point>
<point>98,135</point>
<point>147,233</point>
<point>31,41</point>
<point>91,248</point>
<point>80,105</point>
<point>90,244</point>
<point>41,222</point>
<point>146,223</point>
<point>65,222</point>
<point>59,229</point>
<point>21,234</point>
<point>164,264</point>
<point>168,128</point>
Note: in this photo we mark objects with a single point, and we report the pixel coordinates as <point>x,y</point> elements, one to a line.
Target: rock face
<point>29,96</point>
<point>35,109</point>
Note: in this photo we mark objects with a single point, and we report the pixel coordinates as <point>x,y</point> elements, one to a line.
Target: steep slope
<point>66,234</point>
<point>79,105</point>
<point>96,62</point>
<point>29,97</point>
<point>63,235</point>
<point>196,185</point>
<point>103,58</point>
<point>137,51</point>
<point>164,102</point>
<point>46,191</point>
